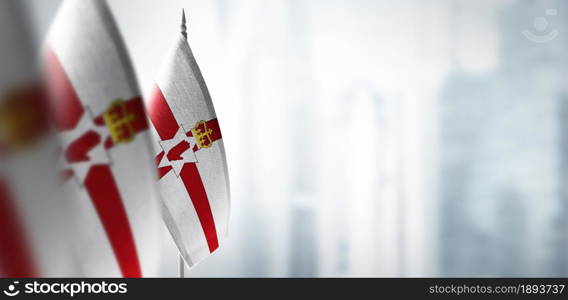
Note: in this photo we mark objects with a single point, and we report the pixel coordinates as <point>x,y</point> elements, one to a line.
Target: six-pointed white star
<point>97,155</point>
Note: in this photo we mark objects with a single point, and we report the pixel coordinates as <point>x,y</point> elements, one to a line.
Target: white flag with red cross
<point>32,238</point>
<point>192,169</point>
<point>105,162</point>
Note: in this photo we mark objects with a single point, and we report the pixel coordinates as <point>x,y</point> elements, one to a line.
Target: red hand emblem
<point>176,152</point>
<point>79,149</point>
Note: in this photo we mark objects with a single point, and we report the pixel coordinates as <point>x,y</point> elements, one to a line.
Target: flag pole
<point>184,33</point>
<point>183,26</point>
<point>181,267</point>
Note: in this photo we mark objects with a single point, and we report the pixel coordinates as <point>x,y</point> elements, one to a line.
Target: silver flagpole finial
<point>183,21</point>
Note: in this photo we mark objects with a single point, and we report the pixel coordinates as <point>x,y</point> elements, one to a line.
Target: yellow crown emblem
<point>21,118</point>
<point>119,122</point>
<point>202,134</point>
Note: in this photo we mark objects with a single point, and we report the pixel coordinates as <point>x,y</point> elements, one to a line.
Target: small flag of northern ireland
<point>190,156</point>
<point>106,164</point>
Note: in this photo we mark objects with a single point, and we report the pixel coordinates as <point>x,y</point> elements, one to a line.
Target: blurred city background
<point>376,138</point>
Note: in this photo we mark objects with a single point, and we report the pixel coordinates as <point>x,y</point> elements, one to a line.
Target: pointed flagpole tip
<point>183,26</point>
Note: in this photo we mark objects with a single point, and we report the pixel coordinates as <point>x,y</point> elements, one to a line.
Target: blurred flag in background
<point>32,234</point>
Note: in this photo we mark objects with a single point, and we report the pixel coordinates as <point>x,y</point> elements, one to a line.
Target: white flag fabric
<point>190,157</point>
<point>32,239</point>
<point>105,162</point>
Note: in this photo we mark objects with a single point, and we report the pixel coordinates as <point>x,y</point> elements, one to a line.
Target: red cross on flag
<point>105,162</point>
<point>190,156</point>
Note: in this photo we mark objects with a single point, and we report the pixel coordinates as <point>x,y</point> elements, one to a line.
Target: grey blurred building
<point>499,154</point>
